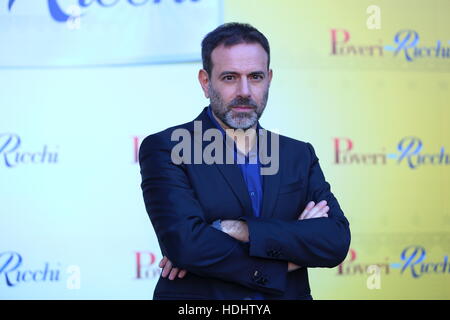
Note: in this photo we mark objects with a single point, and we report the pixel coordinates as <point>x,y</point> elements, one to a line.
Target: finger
<point>182,274</point>
<point>308,207</point>
<point>163,262</point>
<point>320,213</point>
<point>167,269</point>
<point>173,273</point>
<point>314,210</point>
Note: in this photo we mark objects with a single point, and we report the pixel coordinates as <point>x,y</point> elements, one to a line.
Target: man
<point>232,230</point>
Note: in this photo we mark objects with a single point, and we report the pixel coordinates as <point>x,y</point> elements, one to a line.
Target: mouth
<point>243,108</point>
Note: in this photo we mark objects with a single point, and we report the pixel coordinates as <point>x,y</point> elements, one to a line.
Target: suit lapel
<point>270,194</point>
<point>271,184</point>
<point>232,174</point>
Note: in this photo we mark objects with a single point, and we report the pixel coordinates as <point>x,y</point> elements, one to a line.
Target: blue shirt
<point>250,171</point>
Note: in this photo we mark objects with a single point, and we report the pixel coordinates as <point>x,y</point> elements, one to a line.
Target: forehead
<point>242,58</point>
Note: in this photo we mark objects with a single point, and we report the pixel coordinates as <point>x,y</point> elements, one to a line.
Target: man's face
<point>238,87</point>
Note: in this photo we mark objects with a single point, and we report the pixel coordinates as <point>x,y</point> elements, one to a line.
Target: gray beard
<point>233,119</point>
<point>240,120</point>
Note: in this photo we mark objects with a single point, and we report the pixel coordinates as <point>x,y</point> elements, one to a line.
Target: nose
<point>244,88</point>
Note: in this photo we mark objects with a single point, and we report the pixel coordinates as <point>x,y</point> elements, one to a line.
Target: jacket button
<point>256,276</point>
<point>262,281</point>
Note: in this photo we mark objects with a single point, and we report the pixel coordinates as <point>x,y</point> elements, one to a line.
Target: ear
<point>270,76</point>
<point>203,78</point>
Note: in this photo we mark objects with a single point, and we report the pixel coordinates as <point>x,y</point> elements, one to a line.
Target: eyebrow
<point>254,73</point>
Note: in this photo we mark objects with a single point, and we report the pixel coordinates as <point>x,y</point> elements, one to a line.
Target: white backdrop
<point>75,104</point>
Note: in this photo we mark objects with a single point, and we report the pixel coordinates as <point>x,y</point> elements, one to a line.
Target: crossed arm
<point>239,230</point>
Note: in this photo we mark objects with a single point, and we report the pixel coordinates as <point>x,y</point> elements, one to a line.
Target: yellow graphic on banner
<point>368,85</point>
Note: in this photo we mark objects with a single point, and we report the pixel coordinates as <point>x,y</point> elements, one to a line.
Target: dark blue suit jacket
<point>183,200</point>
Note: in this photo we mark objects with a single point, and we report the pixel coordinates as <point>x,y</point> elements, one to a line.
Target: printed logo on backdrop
<point>350,266</point>
<point>14,152</point>
<point>105,32</point>
<point>14,272</point>
<point>146,265</point>
<point>405,46</point>
<point>372,271</point>
<point>410,152</point>
<point>414,263</point>
<point>56,8</point>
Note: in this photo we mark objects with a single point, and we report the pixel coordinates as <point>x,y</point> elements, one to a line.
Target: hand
<point>236,228</point>
<point>168,269</point>
<point>315,211</point>
<point>311,211</point>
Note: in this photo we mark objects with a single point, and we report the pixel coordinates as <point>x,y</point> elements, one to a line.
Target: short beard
<point>241,120</point>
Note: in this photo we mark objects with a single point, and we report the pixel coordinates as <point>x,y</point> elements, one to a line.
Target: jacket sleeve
<point>184,236</point>
<point>318,242</point>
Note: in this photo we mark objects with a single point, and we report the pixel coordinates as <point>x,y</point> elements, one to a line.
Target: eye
<point>257,77</point>
<point>228,77</point>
